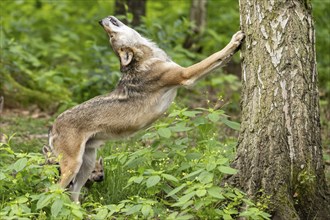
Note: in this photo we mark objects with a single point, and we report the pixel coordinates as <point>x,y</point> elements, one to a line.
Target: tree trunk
<point>279,151</point>
<point>137,8</point>
<point>198,18</point>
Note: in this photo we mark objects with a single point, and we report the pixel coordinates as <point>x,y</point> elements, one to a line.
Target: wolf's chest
<point>164,101</point>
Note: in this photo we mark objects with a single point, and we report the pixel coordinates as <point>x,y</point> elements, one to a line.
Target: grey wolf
<point>146,89</point>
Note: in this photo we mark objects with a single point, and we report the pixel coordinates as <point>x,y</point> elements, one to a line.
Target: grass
<point>30,134</point>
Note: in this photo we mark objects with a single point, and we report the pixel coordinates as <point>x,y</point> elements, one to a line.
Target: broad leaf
<point>43,201</point>
<point>177,189</point>
<point>231,124</point>
<point>164,132</point>
<point>153,180</point>
<point>215,192</point>
<point>227,170</point>
<point>20,164</point>
<point>56,207</point>
<point>169,177</point>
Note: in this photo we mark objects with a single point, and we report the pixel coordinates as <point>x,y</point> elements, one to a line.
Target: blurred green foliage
<point>57,49</point>
<point>53,53</point>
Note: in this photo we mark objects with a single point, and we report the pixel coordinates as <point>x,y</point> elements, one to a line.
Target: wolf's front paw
<point>238,38</point>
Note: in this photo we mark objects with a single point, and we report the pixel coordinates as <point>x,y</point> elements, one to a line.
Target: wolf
<point>147,87</point>
<point>97,174</point>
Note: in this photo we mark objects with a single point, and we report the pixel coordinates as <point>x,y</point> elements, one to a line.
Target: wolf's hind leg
<point>71,157</point>
<point>87,166</point>
<point>69,168</point>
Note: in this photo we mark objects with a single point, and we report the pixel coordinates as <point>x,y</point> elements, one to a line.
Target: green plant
<point>28,188</point>
<point>174,170</point>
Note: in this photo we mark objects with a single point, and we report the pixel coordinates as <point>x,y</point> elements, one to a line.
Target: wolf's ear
<point>46,150</point>
<point>101,161</point>
<point>126,56</point>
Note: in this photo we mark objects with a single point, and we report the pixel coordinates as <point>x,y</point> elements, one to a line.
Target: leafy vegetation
<point>175,172</point>
<point>54,55</point>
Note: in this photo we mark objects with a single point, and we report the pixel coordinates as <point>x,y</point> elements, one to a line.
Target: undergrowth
<point>174,170</point>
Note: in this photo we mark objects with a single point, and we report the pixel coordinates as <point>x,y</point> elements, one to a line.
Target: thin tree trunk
<point>136,7</point>
<point>279,151</point>
<point>198,18</point>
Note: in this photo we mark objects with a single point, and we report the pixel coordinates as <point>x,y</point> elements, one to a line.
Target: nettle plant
<point>174,170</point>
<point>28,189</point>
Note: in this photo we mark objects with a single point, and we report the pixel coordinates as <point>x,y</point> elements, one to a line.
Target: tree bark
<point>198,18</point>
<point>279,152</point>
<point>137,8</point>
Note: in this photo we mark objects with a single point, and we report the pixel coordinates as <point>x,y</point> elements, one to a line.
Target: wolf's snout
<point>99,179</point>
<point>101,23</point>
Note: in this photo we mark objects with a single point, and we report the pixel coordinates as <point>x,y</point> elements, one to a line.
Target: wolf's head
<point>129,45</point>
<point>97,174</point>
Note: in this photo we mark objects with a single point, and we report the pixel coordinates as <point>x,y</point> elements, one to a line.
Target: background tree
<point>137,8</point>
<point>279,147</point>
<point>198,13</point>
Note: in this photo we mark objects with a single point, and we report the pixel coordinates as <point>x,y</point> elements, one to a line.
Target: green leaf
<point>177,189</point>
<point>194,155</point>
<point>146,210</point>
<point>133,209</point>
<point>227,217</point>
<point>215,192</point>
<point>227,170</point>
<point>78,213</point>
<point>20,164</point>
<point>231,124</point>
<point>214,117</point>
<point>102,214</point>
<point>193,173</point>
<point>2,176</point>
<point>222,161</point>
<point>201,192</point>
<point>56,207</point>
<point>43,201</point>
<point>164,132</point>
<point>153,180</point>
<point>184,199</point>
<point>190,113</point>
<point>180,127</point>
<point>21,199</point>
<point>169,177</point>
<point>211,166</point>
<point>205,177</point>
<point>138,179</point>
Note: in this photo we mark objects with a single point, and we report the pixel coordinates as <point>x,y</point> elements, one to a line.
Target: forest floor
<point>28,129</point>
<point>29,132</point>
